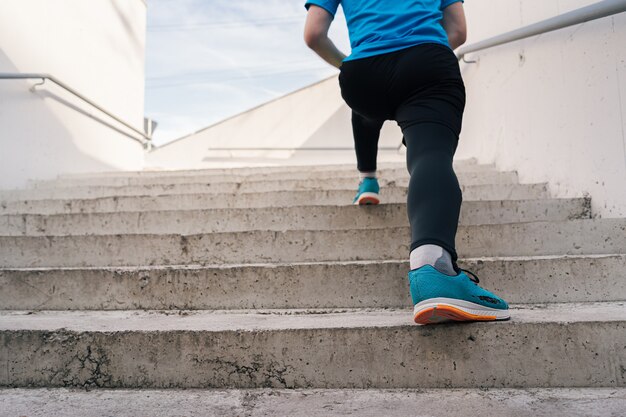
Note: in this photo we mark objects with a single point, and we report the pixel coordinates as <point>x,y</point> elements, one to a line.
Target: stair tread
<point>315,206</point>
<point>583,236</point>
<point>278,218</point>
<point>277,320</point>
<point>272,265</point>
<point>203,200</point>
<point>238,188</point>
<point>385,177</point>
<point>267,168</point>
<point>618,223</point>
<point>544,402</point>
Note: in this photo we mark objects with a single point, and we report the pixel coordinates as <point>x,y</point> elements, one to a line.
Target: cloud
<point>207,60</point>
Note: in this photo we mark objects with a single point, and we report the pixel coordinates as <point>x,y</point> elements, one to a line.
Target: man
<point>402,68</point>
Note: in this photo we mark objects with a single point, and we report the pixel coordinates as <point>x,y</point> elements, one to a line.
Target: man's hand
<point>454,24</point>
<point>318,22</point>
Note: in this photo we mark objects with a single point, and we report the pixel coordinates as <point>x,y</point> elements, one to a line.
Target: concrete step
<point>89,191</point>
<point>574,237</point>
<point>544,402</point>
<point>251,170</point>
<point>282,218</point>
<point>208,177</point>
<point>359,284</point>
<point>213,177</point>
<point>467,165</point>
<point>199,201</point>
<point>314,349</point>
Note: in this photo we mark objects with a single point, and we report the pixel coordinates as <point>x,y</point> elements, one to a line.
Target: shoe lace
<point>472,276</point>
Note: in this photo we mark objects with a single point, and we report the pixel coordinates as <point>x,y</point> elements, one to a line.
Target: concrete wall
<point>552,107</point>
<point>315,116</point>
<point>97,48</point>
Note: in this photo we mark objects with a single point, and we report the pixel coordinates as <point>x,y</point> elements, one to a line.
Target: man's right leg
<point>366,134</point>
<point>434,195</point>
<point>440,291</point>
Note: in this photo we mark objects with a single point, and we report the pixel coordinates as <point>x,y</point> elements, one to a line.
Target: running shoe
<point>367,192</point>
<point>438,297</point>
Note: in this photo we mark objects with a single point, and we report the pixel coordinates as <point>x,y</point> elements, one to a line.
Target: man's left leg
<point>366,134</point>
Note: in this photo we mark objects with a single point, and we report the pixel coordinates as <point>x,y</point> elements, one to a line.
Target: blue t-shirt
<point>381,26</point>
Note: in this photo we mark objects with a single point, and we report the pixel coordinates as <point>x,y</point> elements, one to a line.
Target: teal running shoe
<point>439,297</point>
<point>367,192</point>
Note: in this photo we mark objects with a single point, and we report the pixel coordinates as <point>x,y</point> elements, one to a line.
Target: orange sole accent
<point>367,201</point>
<point>446,313</point>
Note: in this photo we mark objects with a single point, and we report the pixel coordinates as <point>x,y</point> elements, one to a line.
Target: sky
<point>207,60</point>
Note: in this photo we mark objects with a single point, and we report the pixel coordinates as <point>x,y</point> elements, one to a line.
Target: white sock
<point>363,175</point>
<point>433,255</point>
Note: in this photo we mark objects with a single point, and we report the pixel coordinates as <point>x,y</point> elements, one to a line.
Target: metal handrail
<point>315,148</point>
<point>43,77</point>
<point>594,11</point>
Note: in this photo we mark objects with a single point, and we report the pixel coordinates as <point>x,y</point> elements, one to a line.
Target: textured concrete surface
<point>254,170</point>
<point>178,177</point>
<point>299,319</point>
<point>281,218</point>
<point>590,236</point>
<point>344,323</point>
<point>313,285</point>
<point>313,403</point>
<point>201,201</point>
<point>469,165</point>
<point>314,349</point>
<point>285,184</point>
<point>207,176</point>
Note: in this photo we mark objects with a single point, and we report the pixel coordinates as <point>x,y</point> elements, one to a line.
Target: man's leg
<point>434,197</point>
<point>439,290</point>
<point>366,133</point>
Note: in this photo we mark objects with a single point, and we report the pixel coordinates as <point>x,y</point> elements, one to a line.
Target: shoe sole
<point>438,310</point>
<point>367,199</point>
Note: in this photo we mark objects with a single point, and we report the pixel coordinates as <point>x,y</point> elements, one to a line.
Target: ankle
<point>432,255</point>
<point>367,174</point>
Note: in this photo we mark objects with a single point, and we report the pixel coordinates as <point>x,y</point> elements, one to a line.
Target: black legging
<point>422,90</point>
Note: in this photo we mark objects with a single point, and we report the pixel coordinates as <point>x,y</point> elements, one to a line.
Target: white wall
<point>97,48</point>
<point>315,116</point>
<point>552,107</point>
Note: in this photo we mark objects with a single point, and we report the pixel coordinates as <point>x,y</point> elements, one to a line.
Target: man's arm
<point>454,24</point>
<point>318,22</point>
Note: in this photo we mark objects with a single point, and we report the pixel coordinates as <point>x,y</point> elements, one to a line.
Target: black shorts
<point>414,85</point>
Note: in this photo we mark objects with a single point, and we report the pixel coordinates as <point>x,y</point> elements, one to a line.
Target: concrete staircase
<point>267,278</point>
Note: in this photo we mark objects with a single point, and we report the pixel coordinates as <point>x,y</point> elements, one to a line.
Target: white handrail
<point>584,14</point>
<point>145,139</point>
